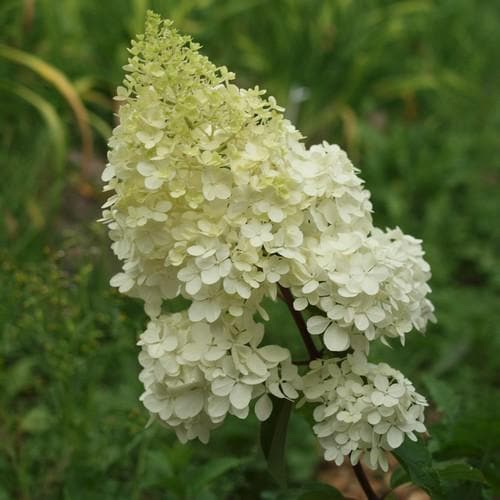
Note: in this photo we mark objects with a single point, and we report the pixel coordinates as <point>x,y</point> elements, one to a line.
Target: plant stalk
<point>363,481</point>
<point>315,354</point>
<point>301,324</point>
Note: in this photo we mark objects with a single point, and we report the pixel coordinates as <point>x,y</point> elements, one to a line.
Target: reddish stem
<point>301,324</point>
<point>363,481</point>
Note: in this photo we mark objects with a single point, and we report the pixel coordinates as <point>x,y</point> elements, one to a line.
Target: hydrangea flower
<point>363,408</point>
<point>196,373</point>
<point>214,197</point>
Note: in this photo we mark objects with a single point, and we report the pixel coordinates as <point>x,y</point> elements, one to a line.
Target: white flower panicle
<point>215,198</point>
<point>376,286</point>
<point>195,374</point>
<point>363,408</point>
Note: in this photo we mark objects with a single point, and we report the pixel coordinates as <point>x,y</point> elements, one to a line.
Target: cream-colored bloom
<point>195,374</point>
<point>214,197</point>
<point>363,409</point>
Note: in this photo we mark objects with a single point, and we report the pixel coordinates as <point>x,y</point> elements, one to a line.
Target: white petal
<point>310,286</point>
<point>108,173</point>
<point>317,324</point>
<point>373,417</point>
<point>375,314</point>
<point>240,413</point>
<point>187,274</point>
<point>256,365</point>
<point>384,464</point>
<point>263,408</point>
<point>193,286</point>
<point>370,286</point>
<point>300,304</point>
<point>341,438</point>
<point>419,427</point>
<point>396,390</point>
<point>188,405</point>
<point>222,191</point>
<point>361,322</point>
<point>336,339</point>
<point>331,454</point>
<point>389,401</point>
<point>146,168</point>
<point>200,332</point>
<point>240,396</point>
<point>210,276</point>
<point>196,250</point>
<point>155,350</point>
<point>276,214</point>
<point>382,427</point>
<point>197,311</point>
<point>355,455</point>
<point>217,406</point>
<point>274,353</point>
<point>214,353</point>
<point>166,411</point>
<point>225,268</point>
<point>222,386</point>
<point>314,391</point>
<point>192,352</point>
<point>243,290</point>
<point>275,390</point>
<point>153,182</point>
<point>381,382</point>
<point>289,390</point>
<point>395,437</point>
<point>123,281</point>
<point>213,312</point>
<point>263,313</point>
<point>152,403</point>
<point>377,398</point>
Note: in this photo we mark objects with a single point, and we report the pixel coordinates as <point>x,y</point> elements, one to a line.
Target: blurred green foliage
<point>409,88</point>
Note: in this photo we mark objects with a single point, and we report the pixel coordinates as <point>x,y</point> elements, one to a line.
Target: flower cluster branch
<point>301,324</point>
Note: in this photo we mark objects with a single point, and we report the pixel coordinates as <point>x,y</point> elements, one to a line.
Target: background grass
<point>409,88</point>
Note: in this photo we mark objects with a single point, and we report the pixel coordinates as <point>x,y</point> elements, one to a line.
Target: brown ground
<point>345,481</point>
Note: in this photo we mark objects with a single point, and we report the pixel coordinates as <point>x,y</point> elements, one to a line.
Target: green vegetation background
<point>409,88</point>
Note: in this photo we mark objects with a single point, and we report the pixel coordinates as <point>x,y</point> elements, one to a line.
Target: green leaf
<point>417,461</point>
<point>320,491</point>
<point>459,471</point>
<point>213,469</point>
<point>312,490</point>
<point>273,433</point>
<point>443,395</point>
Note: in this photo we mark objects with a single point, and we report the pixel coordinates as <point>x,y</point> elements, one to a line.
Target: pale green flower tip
<point>161,56</point>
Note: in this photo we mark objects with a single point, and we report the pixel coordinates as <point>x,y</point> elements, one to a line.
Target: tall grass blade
<point>50,116</point>
<point>66,89</point>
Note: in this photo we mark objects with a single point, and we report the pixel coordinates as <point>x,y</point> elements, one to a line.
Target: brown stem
<point>301,324</point>
<point>315,354</point>
<point>363,481</point>
<point>287,297</point>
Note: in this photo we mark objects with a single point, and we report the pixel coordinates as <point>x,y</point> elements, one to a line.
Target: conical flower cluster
<point>215,198</point>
